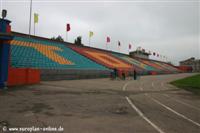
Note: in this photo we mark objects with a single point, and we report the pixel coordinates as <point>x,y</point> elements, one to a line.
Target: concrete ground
<point>148,105</point>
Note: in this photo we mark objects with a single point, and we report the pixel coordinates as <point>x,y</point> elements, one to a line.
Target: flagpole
<point>106,45</point>
<point>34,28</point>
<point>89,41</point>
<point>128,50</point>
<point>66,36</point>
<point>30,17</point>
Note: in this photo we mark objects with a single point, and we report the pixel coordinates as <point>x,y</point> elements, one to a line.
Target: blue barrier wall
<point>1,62</point>
<point>4,51</point>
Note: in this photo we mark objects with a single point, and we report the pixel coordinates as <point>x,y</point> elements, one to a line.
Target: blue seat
<point>29,57</point>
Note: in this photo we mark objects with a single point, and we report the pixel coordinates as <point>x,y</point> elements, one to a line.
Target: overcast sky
<point>170,28</point>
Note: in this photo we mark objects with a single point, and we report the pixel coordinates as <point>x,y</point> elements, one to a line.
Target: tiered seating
<point>142,67</point>
<point>159,68</point>
<point>166,70</point>
<point>103,58</point>
<point>44,54</point>
<point>171,67</point>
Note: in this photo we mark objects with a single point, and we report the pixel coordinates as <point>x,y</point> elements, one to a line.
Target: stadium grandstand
<point>145,69</point>
<point>46,54</point>
<point>45,59</point>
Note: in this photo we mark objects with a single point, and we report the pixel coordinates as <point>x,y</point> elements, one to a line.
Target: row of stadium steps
<point>170,70</point>
<point>106,58</point>
<point>171,67</point>
<point>54,59</point>
<point>116,60</point>
<point>61,60</point>
<point>159,69</point>
<point>164,68</point>
<point>137,64</point>
<point>124,62</point>
<point>51,55</point>
<point>60,74</point>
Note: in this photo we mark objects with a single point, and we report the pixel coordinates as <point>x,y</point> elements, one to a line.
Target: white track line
<point>140,113</point>
<point>124,87</point>
<point>186,104</point>
<point>178,101</point>
<point>179,114</point>
<point>152,84</point>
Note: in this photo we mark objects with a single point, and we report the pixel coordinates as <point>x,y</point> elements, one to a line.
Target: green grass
<point>190,83</point>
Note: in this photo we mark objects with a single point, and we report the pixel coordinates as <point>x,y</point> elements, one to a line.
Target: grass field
<point>190,83</point>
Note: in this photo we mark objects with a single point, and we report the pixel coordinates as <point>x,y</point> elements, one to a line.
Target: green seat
<point>29,57</point>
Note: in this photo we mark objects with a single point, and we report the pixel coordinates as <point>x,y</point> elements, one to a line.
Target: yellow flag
<point>36,18</point>
<point>91,34</point>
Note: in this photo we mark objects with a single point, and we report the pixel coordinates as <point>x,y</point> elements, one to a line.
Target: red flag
<point>119,44</point>
<point>108,39</point>
<point>68,27</point>
<point>129,46</point>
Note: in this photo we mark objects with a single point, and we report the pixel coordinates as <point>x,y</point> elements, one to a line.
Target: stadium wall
<point>4,51</point>
<point>23,76</point>
<point>61,74</point>
<point>185,68</point>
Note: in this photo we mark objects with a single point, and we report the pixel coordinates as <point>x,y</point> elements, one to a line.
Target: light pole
<point>30,17</point>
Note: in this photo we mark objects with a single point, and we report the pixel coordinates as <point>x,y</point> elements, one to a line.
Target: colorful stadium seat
<point>35,53</point>
<point>103,58</point>
<point>171,67</point>
<point>166,70</point>
<point>158,67</point>
<point>135,62</point>
<point>46,54</point>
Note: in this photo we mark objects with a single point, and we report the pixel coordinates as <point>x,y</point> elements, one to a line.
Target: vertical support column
<point>5,37</point>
